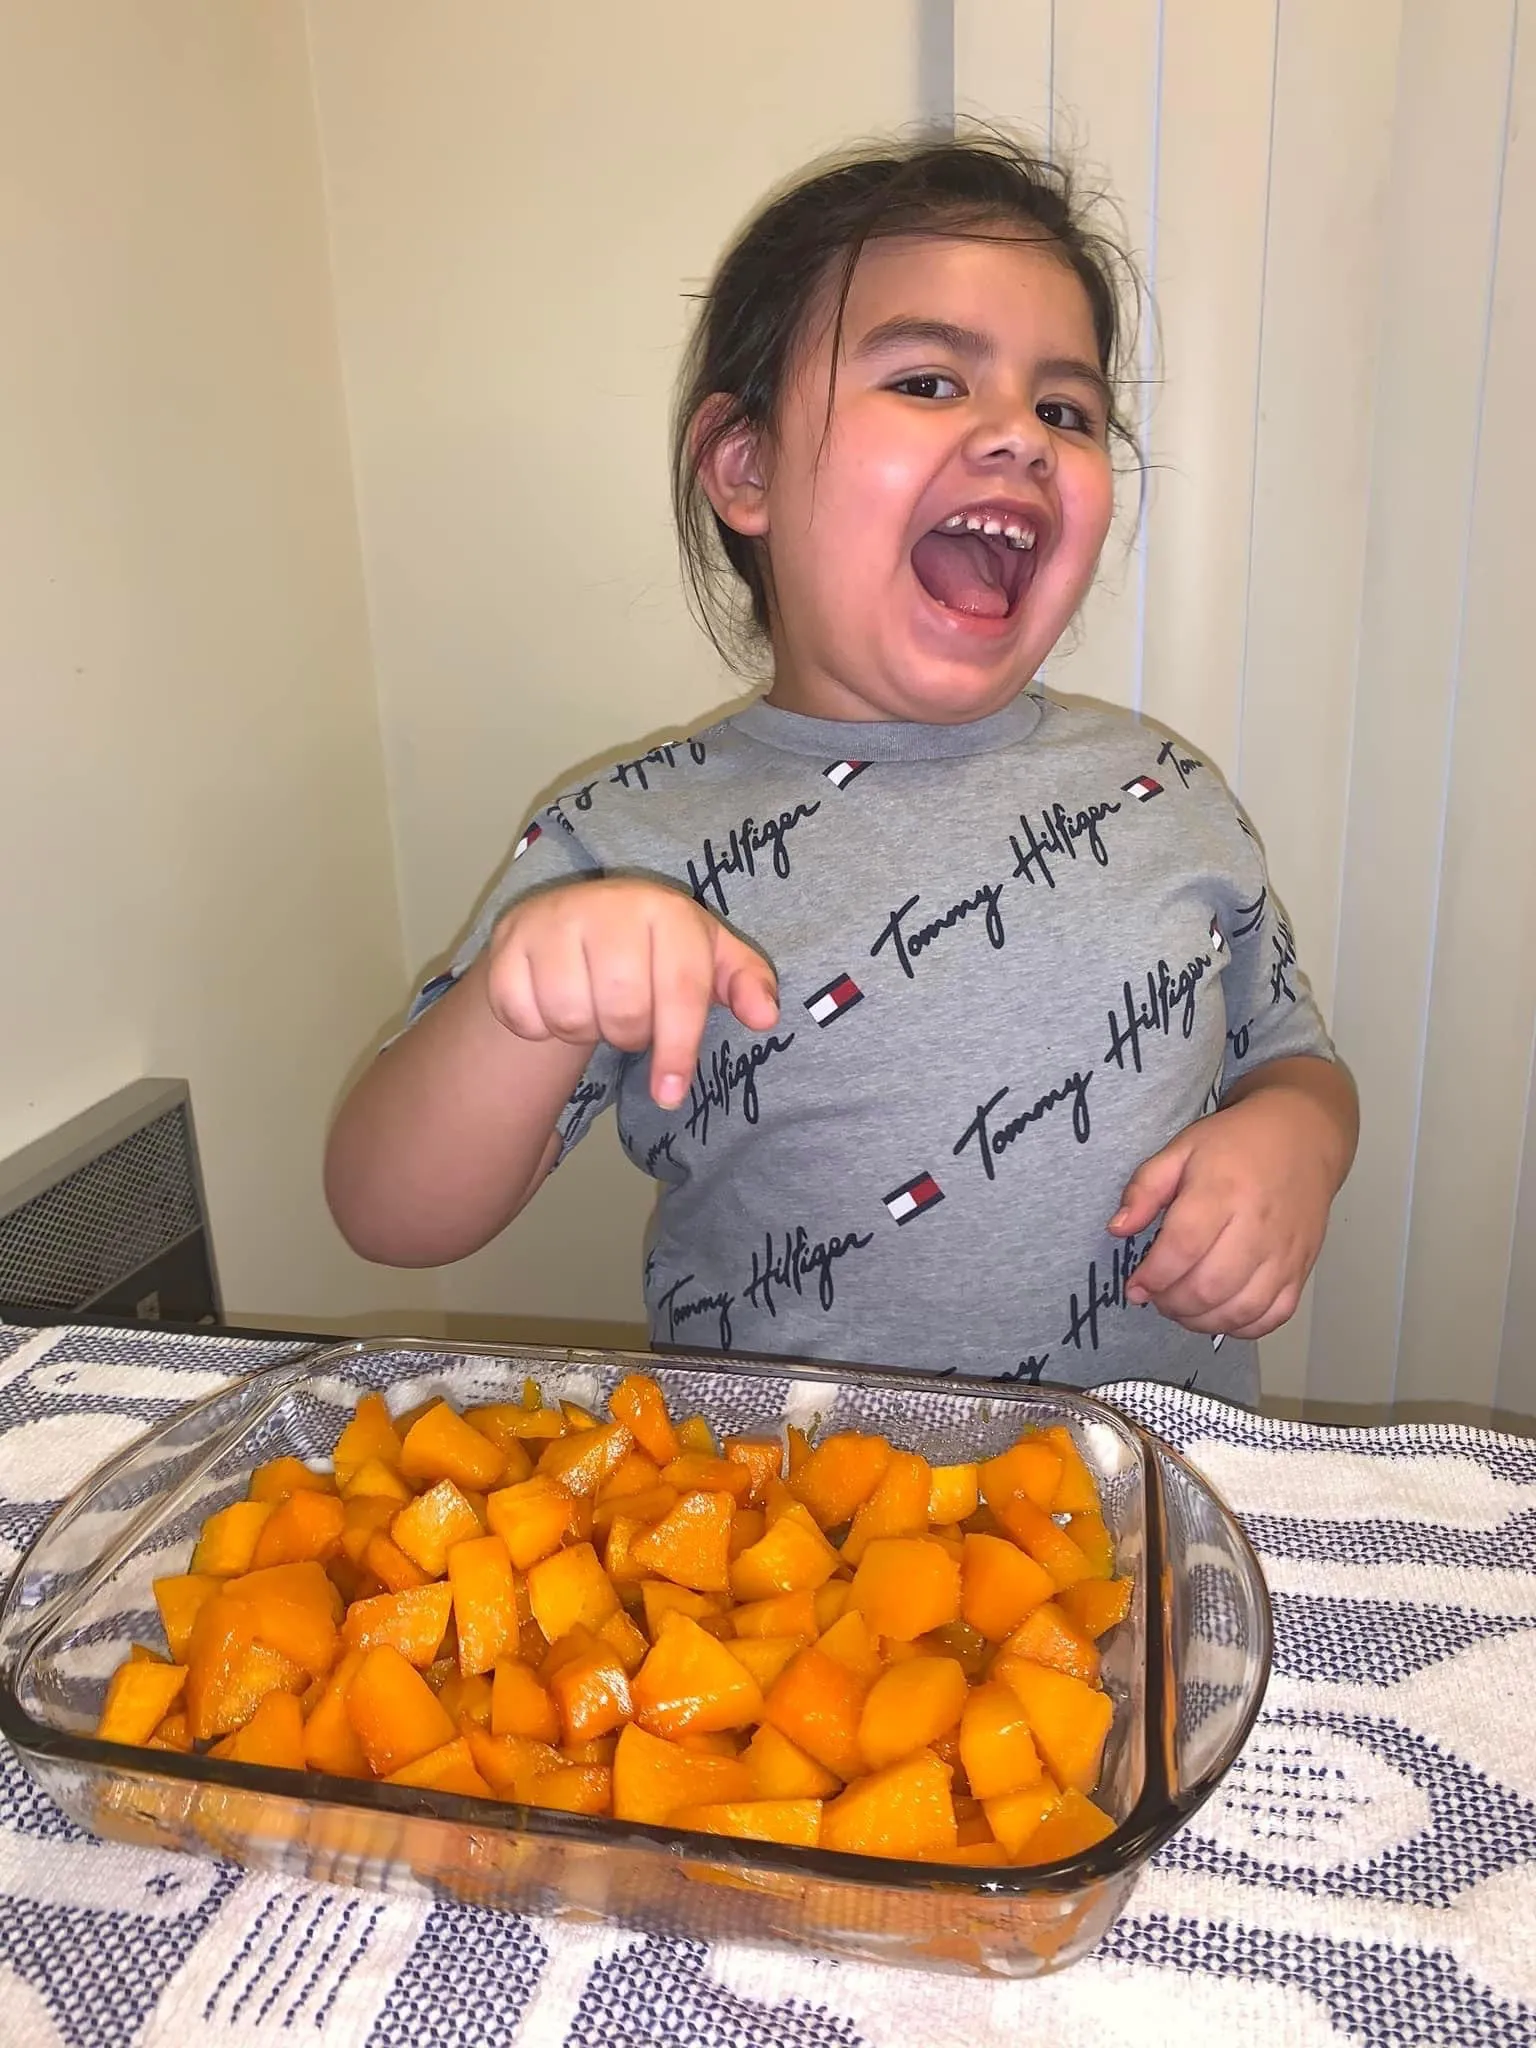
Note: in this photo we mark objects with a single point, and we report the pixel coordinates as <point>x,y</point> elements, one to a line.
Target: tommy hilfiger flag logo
<point>522,846</point>
<point>1143,788</point>
<point>841,773</point>
<point>1218,943</point>
<point>919,1194</point>
<point>833,1000</point>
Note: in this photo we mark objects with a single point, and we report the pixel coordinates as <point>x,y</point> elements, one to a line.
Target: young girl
<point>961,1029</point>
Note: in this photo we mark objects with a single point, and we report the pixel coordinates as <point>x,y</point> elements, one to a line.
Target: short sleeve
<point>1271,1011</point>
<point>547,854</point>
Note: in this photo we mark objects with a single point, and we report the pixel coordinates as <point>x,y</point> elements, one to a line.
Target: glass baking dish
<point>1186,1669</point>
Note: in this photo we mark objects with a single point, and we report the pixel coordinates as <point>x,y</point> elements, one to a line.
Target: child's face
<point>968,395</point>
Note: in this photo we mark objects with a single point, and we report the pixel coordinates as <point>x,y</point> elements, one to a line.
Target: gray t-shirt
<point>1015,958</point>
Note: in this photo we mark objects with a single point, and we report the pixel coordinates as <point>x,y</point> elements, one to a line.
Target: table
<point>1367,1874</point>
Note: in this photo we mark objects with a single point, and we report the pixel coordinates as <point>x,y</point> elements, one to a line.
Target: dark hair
<point>766,288</point>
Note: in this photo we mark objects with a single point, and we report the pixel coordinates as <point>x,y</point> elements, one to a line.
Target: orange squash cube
<point>1014,1816</point>
<point>304,1528</point>
<point>1091,1535</point>
<point>953,1491</point>
<point>442,1445</point>
<point>374,1480</point>
<point>1072,1825</point>
<point>817,1704</point>
<point>1076,1493</point>
<point>793,1557</point>
<point>695,1434</point>
<point>831,1602</point>
<point>591,1694</point>
<point>906,1810</point>
<point>652,1778</point>
<point>968,1646</point>
<point>228,1540</point>
<point>909,1707</point>
<point>634,1473</point>
<point>412,1623</point>
<point>661,1598</point>
<point>996,1747</point>
<point>531,1518</point>
<point>330,1740</point>
<point>521,1705</point>
<point>840,1475</point>
<point>638,1402</point>
<point>427,1528</point>
<point>906,1585</point>
<point>172,1734</point>
<point>796,1822</point>
<point>1029,1469</point>
<point>229,1673</point>
<point>779,1769</point>
<point>273,1736</point>
<point>364,1516</point>
<point>850,1642</point>
<point>484,1602</point>
<point>293,1609</point>
<point>1049,1545</point>
<point>139,1697</point>
<point>999,1584</point>
<point>449,1769</point>
<point>511,1764</point>
<point>574,1788</point>
<point>897,1507</point>
<point>369,1437</point>
<point>1049,1637</point>
<point>766,1656</point>
<point>395,1713</point>
<point>626,1639</point>
<point>1096,1605</point>
<point>570,1590</point>
<point>762,1459</point>
<point>782,1614</point>
<point>748,1526</point>
<point>1068,1719</point>
<point>280,1477</point>
<point>694,1472</point>
<point>389,1564</point>
<point>494,1421</point>
<point>691,1544</point>
<point>181,1597</point>
<point>581,1462</point>
<point>691,1684</point>
<point>642,1508</point>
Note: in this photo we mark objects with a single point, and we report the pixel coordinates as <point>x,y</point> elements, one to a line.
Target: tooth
<point>992,526</point>
<point>954,522</point>
<point>1029,541</point>
<point>973,523</point>
<point>1013,533</point>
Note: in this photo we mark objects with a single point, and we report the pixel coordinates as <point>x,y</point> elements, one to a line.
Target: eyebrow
<point>907,331</point>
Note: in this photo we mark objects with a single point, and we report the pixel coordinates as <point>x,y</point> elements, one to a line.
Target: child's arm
<point>1246,1194</point>
<point>453,1129</point>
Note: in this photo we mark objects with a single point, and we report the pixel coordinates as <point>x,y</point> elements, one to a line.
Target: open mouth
<point>979,562</point>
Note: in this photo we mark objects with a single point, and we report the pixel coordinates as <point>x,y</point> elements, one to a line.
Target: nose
<point>1012,434</point>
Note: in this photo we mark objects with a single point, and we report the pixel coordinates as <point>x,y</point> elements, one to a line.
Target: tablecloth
<point>1366,1874</point>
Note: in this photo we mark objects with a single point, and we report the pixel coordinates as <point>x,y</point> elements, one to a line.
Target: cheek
<point>1088,500</point>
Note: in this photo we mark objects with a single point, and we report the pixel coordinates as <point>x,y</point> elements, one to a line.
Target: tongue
<point>963,572</point>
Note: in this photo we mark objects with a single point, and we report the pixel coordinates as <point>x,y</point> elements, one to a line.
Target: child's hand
<point>634,963</point>
<point>1246,1195</point>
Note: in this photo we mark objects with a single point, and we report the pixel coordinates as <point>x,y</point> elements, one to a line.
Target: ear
<point>732,468</point>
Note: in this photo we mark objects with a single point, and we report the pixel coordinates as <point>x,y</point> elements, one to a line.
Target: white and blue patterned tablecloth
<point>1367,1874</point>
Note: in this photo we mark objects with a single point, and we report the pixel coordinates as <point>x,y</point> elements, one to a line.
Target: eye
<point>1063,414</point>
<point>930,384</point>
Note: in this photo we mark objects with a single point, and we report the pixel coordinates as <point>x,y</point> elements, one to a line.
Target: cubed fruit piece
<point>229,1673</point>
<point>582,1461</point>
<point>695,1434</point>
<point>429,1526</point>
<point>652,1778</point>
<point>780,1769</point>
<point>273,1736</point>
<point>638,1402</point>
<point>570,1590</point>
<point>695,1472</point>
<point>173,1734</point>
<point>294,1609</point>
<point>1049,1637</point>
<point>953,1491</point>
<point>851,1642</point>
<point>766,1656</point>
<point>280,1477</point>
<point>618,1549</point>
<point>1096,1605</point>
<point>793,1557</point>
<point>484,1602</point>
<point>389,1564</point>
<point>633,1474</point>
<point>1068,1719</point>
<point>909,1707</point>
<point>395,1713</point>
<point>996,1747</point>
<point>1076,1493</point>
<point>511,1764</point>
<point>181,1597</point>
<point>832,1602</point>
<point>782,1614</point>
<point>227,1542</point>
<point>905,1810</point>
<point>591,1694</point>
<point>906,1585</point>
<point>449,1769</point>
<point>521,1704</point>
<point>761,1457</point>
<point>306,1527</point>
<point>374,1480</point>
<point>412,1623</point>
<point>626,1639</point>
<point>574,1788</point>
<point>531,1518</point>
<point>840,1475</point>
<point>1049,1545</point>
<point>717,1742</point>
<point>442,1445</point>
<point>968,1646</point>
<point>365,1515</point>
<point>1091,1535</point>
<point>690,1683</point>
<point>897,1507</point>
<point>999,1584</point>
<point>330,1740</point>
<point>796,1822</point>
<point>493,1420</point>
<point>1072,1825</point>
<point>661,1598</point>
<point>748,1526</point>
<point>138,1699</point>
<point>578,1418</point>
<point>817,1703</point>
<point>369,1436</point>
<point>645,1507</point>
<point>599,1751</point>
<point>691,1544</point>
<point>1014,1816</point>
<point>1029,1470</point>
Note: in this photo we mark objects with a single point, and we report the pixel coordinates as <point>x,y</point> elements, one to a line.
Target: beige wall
<point>193,831</point>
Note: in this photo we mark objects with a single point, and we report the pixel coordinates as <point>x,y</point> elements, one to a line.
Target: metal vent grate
<point>107,1198</point>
